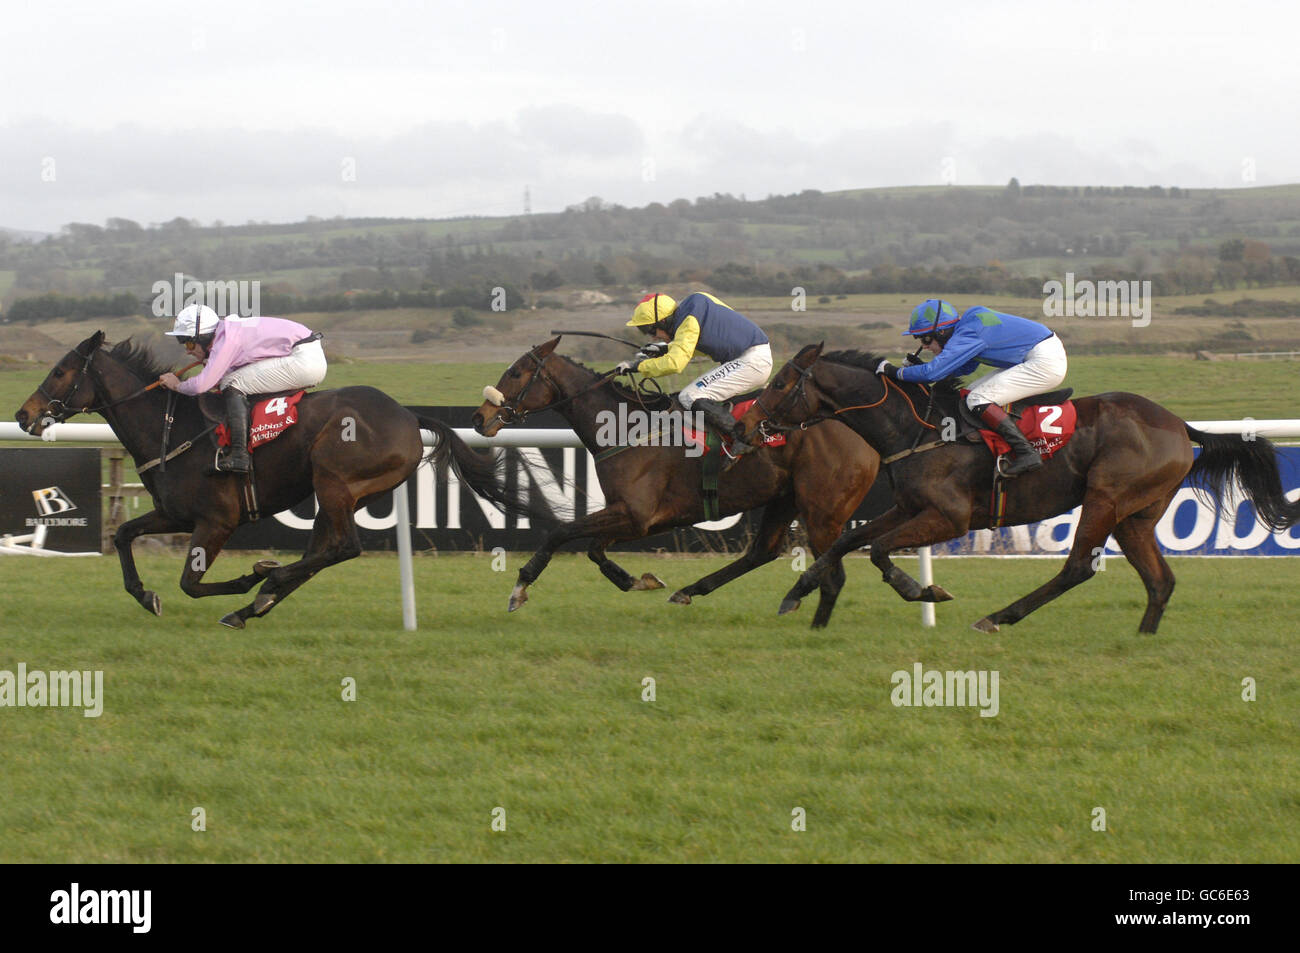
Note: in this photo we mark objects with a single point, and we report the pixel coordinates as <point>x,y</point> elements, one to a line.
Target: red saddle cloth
<point>737,411</point>
<point>271,417</point>
<point>1047,426</point>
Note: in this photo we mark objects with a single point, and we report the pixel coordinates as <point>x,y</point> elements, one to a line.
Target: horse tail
<point>1251,462</point>
<point>488,475</point>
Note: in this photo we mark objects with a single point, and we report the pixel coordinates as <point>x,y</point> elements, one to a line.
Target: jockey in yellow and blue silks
<point>1029,355</point>
<point>702,323</point>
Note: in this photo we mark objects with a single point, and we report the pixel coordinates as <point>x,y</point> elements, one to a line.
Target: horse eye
<point>515,375</point>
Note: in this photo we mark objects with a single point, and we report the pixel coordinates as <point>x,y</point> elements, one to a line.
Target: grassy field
<point>541,713</point>
<point>1196,390</point>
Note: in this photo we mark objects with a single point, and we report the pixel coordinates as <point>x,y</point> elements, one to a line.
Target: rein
<point>510,412</point>
<point>805,373</point>
<point>62,412</point>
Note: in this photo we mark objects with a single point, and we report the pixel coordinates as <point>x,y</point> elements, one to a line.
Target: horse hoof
<point>789,605</point>
<point>518,597</point>
<point>149,599</point>
<point>262,604</point>
<point>986,624</point>
<point>264,566</point>
<point>935,594</point>
<point>648,580</point>
<point>232,621</point>
<point>680,598</point>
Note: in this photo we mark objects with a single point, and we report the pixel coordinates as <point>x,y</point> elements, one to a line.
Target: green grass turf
<point>541,713</point>
<point>1195,390</point>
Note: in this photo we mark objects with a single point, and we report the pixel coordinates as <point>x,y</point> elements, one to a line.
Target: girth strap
<point>175,453</point>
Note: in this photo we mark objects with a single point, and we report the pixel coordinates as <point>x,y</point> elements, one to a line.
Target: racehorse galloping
<point>1125,462</point>
<point>349,446</point>
<point>820,475</point>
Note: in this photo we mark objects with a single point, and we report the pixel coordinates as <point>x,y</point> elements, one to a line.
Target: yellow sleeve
<point>680,351</point>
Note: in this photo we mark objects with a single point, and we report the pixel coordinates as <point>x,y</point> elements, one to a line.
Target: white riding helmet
<point>194,320</point>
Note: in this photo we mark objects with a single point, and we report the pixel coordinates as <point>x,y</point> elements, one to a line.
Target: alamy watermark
<point>930,689</point>
<point>651,428</point>
<point>1098,299</point>
<point>127,907</point>
<point>55,689</point>
<point>224,297</point>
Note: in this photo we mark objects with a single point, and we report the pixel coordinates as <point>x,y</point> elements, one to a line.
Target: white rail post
<point>402,510</point>
<point>927,578</point>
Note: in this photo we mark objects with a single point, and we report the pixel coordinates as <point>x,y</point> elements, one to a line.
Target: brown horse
<point>1125,462</point>
<point>348,446</point>
<point>821,476</point>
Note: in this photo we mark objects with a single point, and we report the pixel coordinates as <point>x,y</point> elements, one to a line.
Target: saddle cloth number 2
<point>1047,417</point>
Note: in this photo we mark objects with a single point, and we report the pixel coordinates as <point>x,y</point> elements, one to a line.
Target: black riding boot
<point>235,459</point>
<point>1024,457</point>
<point>719,418</point>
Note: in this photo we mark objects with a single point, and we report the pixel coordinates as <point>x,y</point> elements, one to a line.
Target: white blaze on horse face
<point>493,396</point>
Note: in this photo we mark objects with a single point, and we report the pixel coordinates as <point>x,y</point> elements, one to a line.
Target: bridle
<point>57,408</point>
<point>769,424</point>
<point>510,410</point>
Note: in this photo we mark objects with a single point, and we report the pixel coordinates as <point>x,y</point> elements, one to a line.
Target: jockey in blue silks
<point>1029,356</point>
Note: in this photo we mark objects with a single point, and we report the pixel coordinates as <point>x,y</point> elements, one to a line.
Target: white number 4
<point>280,408</point>
<point>1048,418</point>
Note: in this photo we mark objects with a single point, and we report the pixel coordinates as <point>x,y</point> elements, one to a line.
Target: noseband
<point>509,411</point>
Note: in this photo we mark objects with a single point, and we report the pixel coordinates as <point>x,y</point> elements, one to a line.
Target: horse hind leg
<point>1136,536</point>
<point>1096,523</point>
<point>616,573</point>
<point>334,539</point>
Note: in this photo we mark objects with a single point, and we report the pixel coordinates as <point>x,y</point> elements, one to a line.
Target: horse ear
<point>549,346</point>
<point>808,356</point>
<point>92,343</point>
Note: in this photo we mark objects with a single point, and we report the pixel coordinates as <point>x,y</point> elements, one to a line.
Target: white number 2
<point>280,408</point>
<point>1049,416</point>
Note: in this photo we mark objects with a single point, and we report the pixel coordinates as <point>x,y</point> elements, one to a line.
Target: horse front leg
<point>334,539</point>
<point>828,561</point>
<point>146,525</point>
<point>205,543</point>
<point>764,548</point>
<point>929,526</point>
<point>613,522</point>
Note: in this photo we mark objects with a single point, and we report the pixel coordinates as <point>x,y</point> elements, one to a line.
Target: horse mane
<point>623,392</point>
<point>140,358</point>
<point>946,392</point>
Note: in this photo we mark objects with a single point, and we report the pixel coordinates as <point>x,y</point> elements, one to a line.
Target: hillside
<point>872,240</point>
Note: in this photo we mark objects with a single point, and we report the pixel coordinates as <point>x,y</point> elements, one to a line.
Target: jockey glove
<point>886,369</point>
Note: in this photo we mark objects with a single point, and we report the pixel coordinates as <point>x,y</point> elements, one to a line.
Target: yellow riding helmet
<point>652,308</point>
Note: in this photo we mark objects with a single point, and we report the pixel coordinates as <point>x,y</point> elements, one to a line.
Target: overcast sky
<point>274,111</point>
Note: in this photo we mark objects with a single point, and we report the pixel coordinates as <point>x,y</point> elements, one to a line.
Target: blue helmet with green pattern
<point>931,317</point>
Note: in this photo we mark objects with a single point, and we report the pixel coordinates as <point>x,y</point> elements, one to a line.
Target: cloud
<point>562,153</point>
